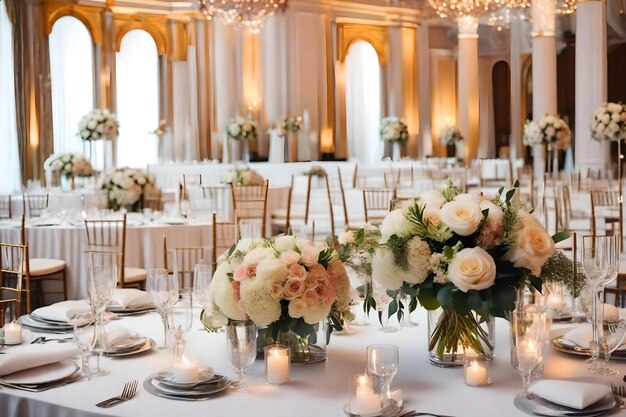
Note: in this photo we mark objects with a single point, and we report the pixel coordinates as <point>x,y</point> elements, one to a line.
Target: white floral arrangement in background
<point>98,124</point>
<point>394,129</point>
<point>242,176</point>
<point>281,283</point>
<point>609,122</point>
<point>290,124</point>
<point>241,128</point>
<point>449,135</point>
<point>550,129</point>
<point>69,164</point>
<point>125,186</point>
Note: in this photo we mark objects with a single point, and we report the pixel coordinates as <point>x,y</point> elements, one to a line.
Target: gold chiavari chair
<point>217,198</point>
<point>152,198</point>
<point>398,202</point>
<point>41,269</point>
<point>250,203</point>
<point>338,195</point>
<point>190,181</point>
<point>607,206</point>
<point>376,202</point>
<point>36,203</point>
<point>11,272</point>
<point>5,207</point>
<point>182,261</point>
<point>224,235</point>
<point>110,236</point>
<point>283,217</point>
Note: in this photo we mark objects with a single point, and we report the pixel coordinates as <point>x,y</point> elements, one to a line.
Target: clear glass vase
<point>396,154</point>
<point>450,333</point>
<point>302,350</point>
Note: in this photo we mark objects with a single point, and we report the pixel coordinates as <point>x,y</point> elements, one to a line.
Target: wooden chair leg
<point>65,284</point>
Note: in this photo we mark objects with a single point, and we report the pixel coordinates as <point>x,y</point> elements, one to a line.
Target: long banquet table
<point>314,391</point>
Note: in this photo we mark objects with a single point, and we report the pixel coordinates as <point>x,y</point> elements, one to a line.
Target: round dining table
<point>314,390</point>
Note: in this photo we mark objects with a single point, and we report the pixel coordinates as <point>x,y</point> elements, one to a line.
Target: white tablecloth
<point>314,391</point>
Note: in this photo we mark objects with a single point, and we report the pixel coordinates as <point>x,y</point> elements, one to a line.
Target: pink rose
<point>318,272</point>
<point>251,270</point>
<point>236,286</point>
<point>297,308</point>
<point>309,255</point>
<point>290,257</point>
<point>331,281</point>
<point>331,294</point>
<point>310,282</point>
<point>310,296</point>
<point>241,273</point>
<point>322,291</point>
<point>293,288</point>
<point>297,271</point>
<point>277,291</point>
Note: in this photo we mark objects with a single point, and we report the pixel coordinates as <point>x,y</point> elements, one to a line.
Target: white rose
<point>309,255</point>
<point>92,124</point>
<point>550,131</point>
<point>244,244</point>
<point>234,130</point>
<point>614,107</point>
<point>605,119</point>
<point>395,223</point>
<point>472,269</point>
<point>615,117</point>
<point>495,212</point>
<point>432,199</point>
<point>346,238</point>
<point>285,243</point>
<point>532,248</point>
<point>462,217</point>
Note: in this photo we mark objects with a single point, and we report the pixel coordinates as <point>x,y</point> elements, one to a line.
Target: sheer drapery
<point>363,102</point>
<point>137,80</point>
<point>71,81</point>
<point>9,160</point>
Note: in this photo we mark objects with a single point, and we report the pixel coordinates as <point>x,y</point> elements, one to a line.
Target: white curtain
<point>71,81</point>
<point>9,156</point>
<point>137,79</point>
<point>363,103</point>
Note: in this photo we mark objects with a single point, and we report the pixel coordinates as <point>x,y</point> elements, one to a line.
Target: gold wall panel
<point>375,35</point>
<point>90,16</point>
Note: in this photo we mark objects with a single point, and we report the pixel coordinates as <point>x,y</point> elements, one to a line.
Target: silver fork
<point>619,390</point>
<point>129,391</point>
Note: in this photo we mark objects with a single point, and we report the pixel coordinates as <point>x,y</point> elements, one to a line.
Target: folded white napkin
<point>32,356</point>
<point>572,394</point>
<point>130,297</point>
<point>63,311</point>
<point>117,335</point>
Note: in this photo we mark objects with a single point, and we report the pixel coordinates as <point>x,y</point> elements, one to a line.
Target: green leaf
<point>444,297</point>
<point>427,299</point>
<point>359,237</point>
<point>500,190</point>
<point>474,300</point>
<point>485,213</point>
<point>516,185</point>
<point>561,236</point>
<point>393,308</point>
<point>448,252</point>
<point>504,298</point>
<point>413,304</point>
<point>509,195</point>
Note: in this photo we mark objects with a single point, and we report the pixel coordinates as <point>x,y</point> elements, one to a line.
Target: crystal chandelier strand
<point>244,14</point>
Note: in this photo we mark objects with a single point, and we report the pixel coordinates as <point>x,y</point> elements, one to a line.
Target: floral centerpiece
<point>242,176</point>
<point>394,129</point>
<point>240,128</point>
<point>449,135</point>
<point>463,257</point>
<point>98,124</point>
<point>316,171</point>
<point>69,165</point>
<point>285,285</point>
<point>125,187</point>
<point>550,129</point>
<point>609,122</point>
<point>290,124</point>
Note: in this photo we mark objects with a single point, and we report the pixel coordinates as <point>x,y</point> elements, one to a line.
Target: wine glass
<point>382,365</point>
<point>241,345</point>
<point>179,322</point>
<point>202,278</point>
<point>529,334</point>
<point>163,288</point>
<point>101,282</point>
<point>613,333</point>
<point>600,262</point>
<point>83,338</point>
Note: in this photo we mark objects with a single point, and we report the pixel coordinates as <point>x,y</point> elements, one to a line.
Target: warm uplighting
<point>327,144</point>
<point>244,14</point>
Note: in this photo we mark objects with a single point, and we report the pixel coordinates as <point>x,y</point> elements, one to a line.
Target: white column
<point>468,110</point>
<point>425,114</point>
<point>515,141</point>
<point>544,70</point>
<point>591,89</point>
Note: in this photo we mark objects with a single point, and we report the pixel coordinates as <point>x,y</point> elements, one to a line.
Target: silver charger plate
<point>205,377</point>
<point>149,386</point>
<point>146,346</point>
<point>562,345</point>
<point>130,311</point>
<point>538,406</point>
<point>38,325</point>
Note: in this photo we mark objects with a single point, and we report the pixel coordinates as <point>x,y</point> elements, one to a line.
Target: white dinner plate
<point>541,407</point>
<point>146,346</point>
<point>33,323</point>
<point>205,376</point>
<point>42,374</point>
<point>199,391</point>
<point>174,222</point>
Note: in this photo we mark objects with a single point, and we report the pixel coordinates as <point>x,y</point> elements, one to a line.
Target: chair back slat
<point>376,202</point>
<point>5,207</point>
<point>36,204</point>
<point>224,236</point>
<point>108,236</point>
<point>12,261</point>
<point>250,202</point>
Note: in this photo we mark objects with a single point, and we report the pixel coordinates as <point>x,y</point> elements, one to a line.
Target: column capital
<point>468,27</point>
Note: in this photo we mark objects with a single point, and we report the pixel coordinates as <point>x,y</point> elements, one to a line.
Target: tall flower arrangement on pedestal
<point>291,124</point>
<point>241,176</point>
<point>69,165</point>
<point>394,130</point>
<point>98,124</point>
<point>550,130</point>
<point>241,128</point>
<point>125,187</point>
<point>449,135</point>
<point>465,255</point>
<point>609,122</point>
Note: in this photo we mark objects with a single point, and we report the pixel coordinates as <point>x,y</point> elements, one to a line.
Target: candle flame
<point>185,361</point>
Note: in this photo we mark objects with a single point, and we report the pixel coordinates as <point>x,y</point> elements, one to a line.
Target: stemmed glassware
<point>83,337</point>
<point>600,262</point>
<point>241,345</point>
<point>613,333</point>
<point>382,365</point>
<point>179,322</point>
<point>163,288</point>
<point>529,335</point>
<point>102,280</point>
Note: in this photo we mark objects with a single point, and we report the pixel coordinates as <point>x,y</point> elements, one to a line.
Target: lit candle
<point>555,302</point>
<point>13,333</point>
<point>364,401</point>
<point>185,371</point>
<point>277,364</point>
<point>476,373</point>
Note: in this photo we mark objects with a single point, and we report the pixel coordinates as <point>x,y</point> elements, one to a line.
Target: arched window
<point>137,80</point>
<point>9,156</point>
<point>72,81</point>
<point>363,102</point>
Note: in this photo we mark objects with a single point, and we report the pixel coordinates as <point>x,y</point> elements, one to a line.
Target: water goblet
<point>102,280</point>
<point>613,333</point>
<point>382,365</point>
<point>83,338</point>
<point>529,334</point>
<point>163,289</point>
<point>241,346</point>
<point>179,322</point>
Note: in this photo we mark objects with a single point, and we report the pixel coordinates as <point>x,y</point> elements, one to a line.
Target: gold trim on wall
<point>377,36</point>
<point>90,16</point>
<point>156,26</point>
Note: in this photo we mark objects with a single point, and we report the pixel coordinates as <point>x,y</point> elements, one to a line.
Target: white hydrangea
<point>262,308</point>
<point>395,223</point>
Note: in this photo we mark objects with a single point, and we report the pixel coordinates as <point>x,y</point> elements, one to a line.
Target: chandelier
<point>451,9</point>
<point>243,14</point>
<point>502,17</point>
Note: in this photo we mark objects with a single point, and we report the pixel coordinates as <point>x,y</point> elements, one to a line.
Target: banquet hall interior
<point>366,208</point>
